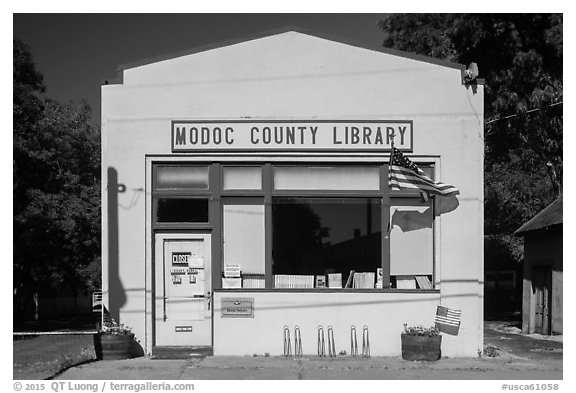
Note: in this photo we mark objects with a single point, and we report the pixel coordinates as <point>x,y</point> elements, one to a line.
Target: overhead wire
<point>524,113</point>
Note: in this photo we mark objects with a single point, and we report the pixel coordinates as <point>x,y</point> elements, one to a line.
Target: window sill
<point>328,290</point>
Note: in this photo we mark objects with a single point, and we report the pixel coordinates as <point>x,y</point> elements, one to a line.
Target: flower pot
<point>421,347</point>
<point>113,347</point>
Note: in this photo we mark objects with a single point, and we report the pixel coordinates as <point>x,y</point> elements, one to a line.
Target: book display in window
<point>350,280</point>
<point>423,282</point>
<point>364,280</point>
<point>335,280</point>
<point>253,281</point>
<point>379,278</point>
<point>293,281</point>
<point>231,282</point>
<point>405,282</point>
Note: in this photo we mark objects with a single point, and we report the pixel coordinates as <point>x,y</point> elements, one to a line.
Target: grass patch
<point>44,356</point>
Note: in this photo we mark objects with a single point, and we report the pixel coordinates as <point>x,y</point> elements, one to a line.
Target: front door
<point>182,290</point>
<point>542,281</point>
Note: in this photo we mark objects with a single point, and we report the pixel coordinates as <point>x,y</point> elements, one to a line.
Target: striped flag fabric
<point>447,320</point>
<point>404,174</point>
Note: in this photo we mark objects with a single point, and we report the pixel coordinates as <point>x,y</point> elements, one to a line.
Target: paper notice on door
<point>196,261</point>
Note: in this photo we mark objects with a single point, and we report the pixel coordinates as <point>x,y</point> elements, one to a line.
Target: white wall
<point>383,313</point>
<point>295,76</point>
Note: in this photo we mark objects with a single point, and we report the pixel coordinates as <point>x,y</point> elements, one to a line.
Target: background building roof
<point>551,215</point>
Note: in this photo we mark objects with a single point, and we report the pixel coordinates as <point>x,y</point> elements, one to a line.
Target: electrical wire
<point>524,113</point>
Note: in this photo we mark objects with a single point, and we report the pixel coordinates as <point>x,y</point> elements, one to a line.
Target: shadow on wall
<point>411,220</point>
<point>116,293</point>
<point>446,205</point>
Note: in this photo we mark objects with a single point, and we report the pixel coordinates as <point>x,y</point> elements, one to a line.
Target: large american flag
<point>404,174</point>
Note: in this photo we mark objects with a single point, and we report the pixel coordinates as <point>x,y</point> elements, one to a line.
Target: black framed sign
<point>291,135</point>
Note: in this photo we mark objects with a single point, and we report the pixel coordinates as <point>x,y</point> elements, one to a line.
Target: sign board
<point>231,270</point>
<point>238,307</point>
<point>291,135</point>
<point>181,258</point>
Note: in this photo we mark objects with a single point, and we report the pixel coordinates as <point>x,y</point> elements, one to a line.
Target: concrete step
<point>181,352</point>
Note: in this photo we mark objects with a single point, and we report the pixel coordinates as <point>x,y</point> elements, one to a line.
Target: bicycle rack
<point>331,344</point>
<point>297,342</point>
<point>365,343</point>
<point>353,342</point>
<point>321,348</point>
<point>287,343</point>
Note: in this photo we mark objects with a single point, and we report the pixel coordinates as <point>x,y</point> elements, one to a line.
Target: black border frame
<point>285,121</point>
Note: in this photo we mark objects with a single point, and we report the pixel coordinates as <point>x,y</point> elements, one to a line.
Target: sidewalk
<point>514,356</point>
<point>277,368</point>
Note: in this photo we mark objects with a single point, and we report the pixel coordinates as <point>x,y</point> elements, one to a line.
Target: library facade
<point>246,197</point>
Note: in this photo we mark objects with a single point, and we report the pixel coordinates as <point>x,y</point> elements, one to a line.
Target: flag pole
<point>389,225</point>
<point>387,218</point>
<point>392,148</point>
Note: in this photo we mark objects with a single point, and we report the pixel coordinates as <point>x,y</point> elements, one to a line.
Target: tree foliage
<point>520,58</point>
<point>56,189</point>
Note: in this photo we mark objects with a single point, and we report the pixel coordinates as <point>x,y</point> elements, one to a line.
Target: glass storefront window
<point>316,236</point>
<point>346,178</point>
<point>243,236</point>
<point>242,178</point>
<point>322,236</point>
<point>180,210</point>
<point>181,177</point>
<point>411,243</point>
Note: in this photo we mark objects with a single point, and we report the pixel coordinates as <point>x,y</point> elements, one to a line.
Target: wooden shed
<point>543,267</point>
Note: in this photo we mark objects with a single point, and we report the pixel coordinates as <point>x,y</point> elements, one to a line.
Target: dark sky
<point>75,52</point>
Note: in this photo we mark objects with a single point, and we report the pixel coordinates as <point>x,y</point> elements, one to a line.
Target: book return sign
<point>285,135</point>
<point>237,307</point>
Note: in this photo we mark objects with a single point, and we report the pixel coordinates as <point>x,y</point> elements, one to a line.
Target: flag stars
<point>399,159</point>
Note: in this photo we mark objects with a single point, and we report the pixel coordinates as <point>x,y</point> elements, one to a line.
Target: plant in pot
<point>114,342</point>
<point>421,343</point>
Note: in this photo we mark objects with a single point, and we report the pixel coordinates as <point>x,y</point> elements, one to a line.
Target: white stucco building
<point>267,158</point>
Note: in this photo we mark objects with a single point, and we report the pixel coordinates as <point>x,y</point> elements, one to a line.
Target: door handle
<point>209,298</point>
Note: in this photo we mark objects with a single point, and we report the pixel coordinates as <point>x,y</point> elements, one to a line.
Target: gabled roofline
<point>535,224</point>
<point>395,52</point>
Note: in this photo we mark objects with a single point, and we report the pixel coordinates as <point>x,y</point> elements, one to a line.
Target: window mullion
<point>385,227</point>
<point>267,186</point>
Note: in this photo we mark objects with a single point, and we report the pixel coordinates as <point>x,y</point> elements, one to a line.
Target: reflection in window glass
<point>490,280</point>
<point>326,178</point>
<point>181,210</point>
<point>182,177</point>
<point>428,170</point>
<point>507,280</point>
<point>411,237</point>
<point>242,178</point>
<point>314,236</point>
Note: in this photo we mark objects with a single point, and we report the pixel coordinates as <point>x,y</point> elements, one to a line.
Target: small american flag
<point>107,318</point>
<point>403,174</point>
<point>447,320</point>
